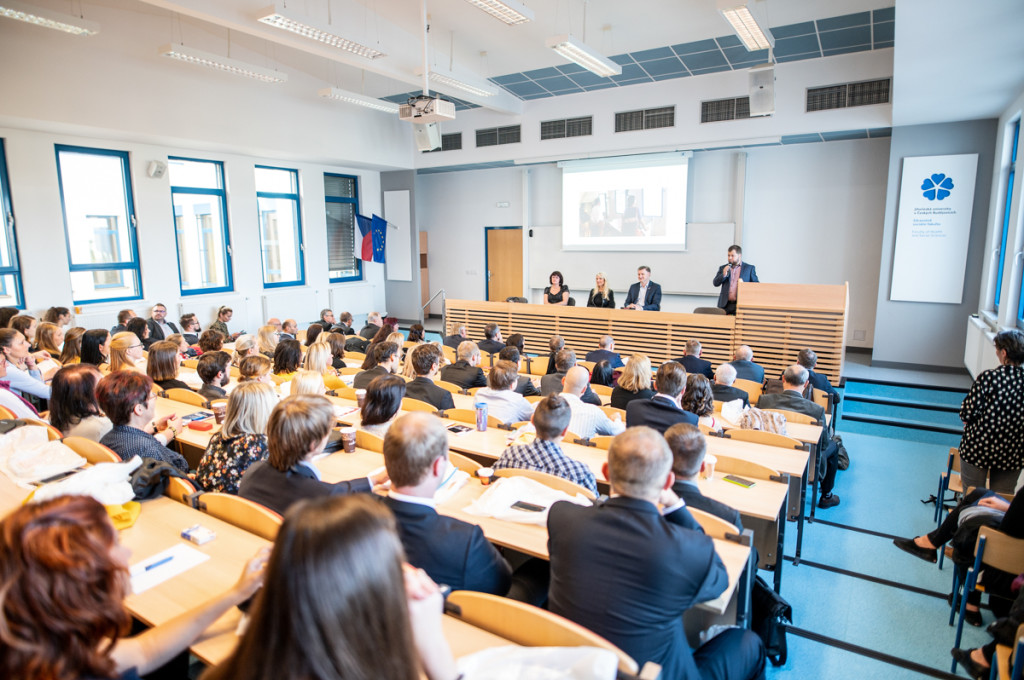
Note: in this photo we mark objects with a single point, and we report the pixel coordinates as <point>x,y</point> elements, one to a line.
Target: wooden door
<point>504,263</point>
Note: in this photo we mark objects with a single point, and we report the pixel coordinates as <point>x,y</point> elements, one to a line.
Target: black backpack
<point>769,617</point>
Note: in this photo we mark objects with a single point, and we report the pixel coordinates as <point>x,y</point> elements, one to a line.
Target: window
<point>277,199</point>
<point>342,197</point>
<point>99,224</point>
<point>10,271</point>
<point>200,225</point>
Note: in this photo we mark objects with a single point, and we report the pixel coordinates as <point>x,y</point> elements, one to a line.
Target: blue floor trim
<point>870,653</point>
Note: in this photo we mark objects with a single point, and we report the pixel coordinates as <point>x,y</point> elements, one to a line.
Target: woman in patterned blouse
<point>242,439</point>
<point>993,415</point>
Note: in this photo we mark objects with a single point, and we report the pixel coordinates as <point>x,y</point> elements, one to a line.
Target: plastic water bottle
<point>481,416</point>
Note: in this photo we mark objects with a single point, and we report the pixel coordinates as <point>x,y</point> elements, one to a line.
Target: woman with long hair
<point>381,336</point>
<point>416,333</point>
<point>163,365</point>
<point>699,400</point>
<point>74,409</point>
<point>266,339</point>
<point>126,353</point>
<point>307,382</point>
<point>383,402</point>
<point>318,360</point>
<point>27,325</point>
<point>72,351</point>
<point>58,316</point>
<point>601,295</point>
<point>49,338</point>
<point>312,333</point>
<point>242,439</point>
<point>256,368</point>
<point>382,620</point>
<point>64,578</point>
<point>245,345</point>
<point>95,346</point>
<point>634,383</point>
<point>22,373</point>
<point>336,341</point>
<point>287,360</point>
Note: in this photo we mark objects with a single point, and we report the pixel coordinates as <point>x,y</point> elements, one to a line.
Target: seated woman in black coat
<point>601,295</point>
<point>634,383</point>
<point>163,363</point>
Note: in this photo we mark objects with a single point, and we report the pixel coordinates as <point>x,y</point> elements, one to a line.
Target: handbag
<point>770,614</point>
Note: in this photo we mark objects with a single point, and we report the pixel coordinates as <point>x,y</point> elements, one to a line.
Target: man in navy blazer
<point>689,447</point>
<point>729,277</point>
<point>605,353</point>
<point>629,573</point>
<point>426,360</point>
<point>645,294</point>
<point>692,362</point>
<point>452,552</point>
<point>746,369</point>
<point>664,409</point>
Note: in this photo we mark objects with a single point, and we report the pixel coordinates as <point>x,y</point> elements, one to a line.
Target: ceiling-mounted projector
<point>424,109</point>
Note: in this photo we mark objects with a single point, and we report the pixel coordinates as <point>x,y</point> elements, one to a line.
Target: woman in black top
<point>162,365</point>
<point>634,383</point>
<point>557,293</point>
<point>601,295</point>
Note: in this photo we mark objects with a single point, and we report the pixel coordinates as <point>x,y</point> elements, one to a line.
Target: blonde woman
<point>266,339</point>
<point>255,368</point>
<point>318,360</point>
<point>49,338</point>
<point>71,354</point>
<point>242,439</point>
<point>634,383</point>
<point>307,382</point>
<point>246,345</point>
<point>126,353</point>
<point>601,295</point>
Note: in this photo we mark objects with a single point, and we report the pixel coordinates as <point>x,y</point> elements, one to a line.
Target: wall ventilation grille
<point>849,94</point>
<point>569,127</point>
<point>495,136</point>
<point>646,119</point>
<point>734,108</point>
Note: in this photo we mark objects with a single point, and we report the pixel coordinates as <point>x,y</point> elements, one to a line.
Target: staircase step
<point>903,422</point>
<point>891,401</point>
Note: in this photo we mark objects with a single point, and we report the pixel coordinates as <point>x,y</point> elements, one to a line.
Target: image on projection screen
<point>631,208</point>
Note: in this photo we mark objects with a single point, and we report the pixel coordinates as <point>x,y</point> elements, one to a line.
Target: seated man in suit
<point>551,420</point>
<point>451,551</point>
<point>809,359</point>
<point>326,320</point>
<point>552,383</point>
<point>644,294</point>
<point>794,380</point>
<point>556,343</point>
<point>159,327</point>
<point>503,402</point>
<point>664,409</point>
<point>288,329</point>
<point>688,447</point>
<point>344,325</point>
<point>386,361</point>
<point>629,573</point>
<point>587,420</point>
<point>457,336</point>
<point>122,318</point>
<point>729,277</point>
<point>524,384</point>
<point>722,389</point>
<point>692,362</point>
<point>492,342</point>
<point>746,369</point>
<point>606,352</point>
<point>296,434</point>
<point>426,361</point>
<point>465,372</point>
<point>373,324</point>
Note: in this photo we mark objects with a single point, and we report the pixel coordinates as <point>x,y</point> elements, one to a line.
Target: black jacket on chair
<point>694,364</point>
<point>464,375</point>
<point>278,490</point>
<point>657,412</point>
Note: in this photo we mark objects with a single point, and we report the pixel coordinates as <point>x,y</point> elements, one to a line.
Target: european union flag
<point>378,230</point>
<point>365,250</point>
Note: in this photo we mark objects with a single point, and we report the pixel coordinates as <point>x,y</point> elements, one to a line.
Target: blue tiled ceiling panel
<point>847,37</point>
<point>793,30</point>
<point>523,89</point>
<point>690,48</point>
<point>845,21</point>
<point>703,60</point>
<point>661,67</point>
<point>803,44</point>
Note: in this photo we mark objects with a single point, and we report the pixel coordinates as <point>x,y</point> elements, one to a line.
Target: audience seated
<point>524,383</point>
<point>602,374</point>
<point>492,342</point>
<point>385,361</point>
<point>664,409</point>
<point>12,401</point>
<point>699,400</point>
<point>74,409</point>
<point>628,573</point>
<point>503,402</point>
<point>356,343</point>
<point>224,315</point>
<point>140,327</point>
<point>49,338</point>
<point>71,352</point>
<point>58,316</point>
<point>555,344</point>
<point>550,419</point>
<point>6,314</point>
<point>373,325</point>
<point>417,333</point>
<point>382,403</point>
<point>383,334</point>
<point>745,367</point>
<point>126,353</point>
<point>688,447</point>
<point>307,382</point>
<point>241,441</point>
<point>159,326</point>
<point>722,390</point>
<point>289,329</point>
<point>245,345</point>
<point>587,420</point>
<point>466,372</point>
<point>190,328</point>
<point>127,398</point>
<point>211,341</point>
<point>605,352</point>
<point>634,382</point>
<point>336,343</point>
<point>287,360</point>
<point>296,433</point>
<point>344,325</point>
<point>27,325</point>
<point>267,338</point>
<point>565,359</point>
<point>326,321</point>
<point>451,551</point>
<point>22,374</point>
<point>184,349</point>
<point>318,360</point>
<point>809,359</point>
<point>426,362</point>
<point>692,362</point>
<point>162,366</point>
<point>312,333</point>
<point>256,368</point>
<point>214,370</point>
<point>122,319</point>
<point>95,346</point>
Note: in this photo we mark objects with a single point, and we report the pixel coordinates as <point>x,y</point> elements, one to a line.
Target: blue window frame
<point>277,202</point>
<point>99,224</point>
<point>341,194</point>
<point>1006,217</point>
<point>10,265</point>
<point>201,225</point>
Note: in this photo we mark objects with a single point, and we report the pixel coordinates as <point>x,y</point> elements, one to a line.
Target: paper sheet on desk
<point>497,501</point>
<point>27,455</point>
<point>183,558</point>
<point>539,663</point>
<point>732,411</point>
<point>342,411</point>
<point>454,479</point>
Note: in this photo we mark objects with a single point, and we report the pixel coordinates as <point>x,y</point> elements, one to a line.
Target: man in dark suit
<point>629,573</point>
<point>746,369</point>
<point>688,447</point>
<point>466,372</point>
<point>692,362</point>
<point>373,324</point>
<point>664,409</point>
<point>492,343</point>
<point>386,362</point>
<point>556,343</point>
<point>729,277</point>
<point>452,552</point>
<point>794,380</point>
<point>122,318</point>
<point>722,389</point>
<point>605,353</point>
<point>644,294</point>
<point>809,359</point>
<point>426,359</point>
<point>552,383</point>
<point>159,326</point>
<point>344,325</point>
<point>326,319</point>
<point>524,385</point>
<point>457,337</point>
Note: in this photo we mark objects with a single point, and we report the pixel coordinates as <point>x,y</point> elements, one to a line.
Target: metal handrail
<point>427,304</point>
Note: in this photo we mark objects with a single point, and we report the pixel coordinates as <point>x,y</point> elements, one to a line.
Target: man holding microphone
<point>730,275</point>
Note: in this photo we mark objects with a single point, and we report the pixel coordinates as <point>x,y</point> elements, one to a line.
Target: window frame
<point>222,193</point>
<point>134,264</point>
<point>301,281</point>
<point>10,232</point>
<point>358,276</point>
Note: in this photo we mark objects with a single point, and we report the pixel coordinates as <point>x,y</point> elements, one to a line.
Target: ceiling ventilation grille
<point>452,142</point>
<point>495,136</point>
<point>734,108</point>
<point>570,127</point>
<point>646,119</point>
<point>850,94</point>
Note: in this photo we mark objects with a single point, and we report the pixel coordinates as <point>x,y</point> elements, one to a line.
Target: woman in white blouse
<point>22,373</point>
<point>73,406</point>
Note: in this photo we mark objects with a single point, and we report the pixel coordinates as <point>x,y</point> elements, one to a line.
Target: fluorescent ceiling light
<point>748,29</point>
<point>462,82</point>
<point>575,51</point>
<point>47,19</point>
<point>354,98</point>
<point>279,17</point>
<point>509,11</point>
<point>190,55</point>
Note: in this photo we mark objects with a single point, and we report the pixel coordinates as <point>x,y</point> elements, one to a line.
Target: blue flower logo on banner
<point>937,186</point>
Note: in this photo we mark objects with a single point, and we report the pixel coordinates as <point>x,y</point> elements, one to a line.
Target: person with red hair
<point>63,580</point>
<point>128,400</point>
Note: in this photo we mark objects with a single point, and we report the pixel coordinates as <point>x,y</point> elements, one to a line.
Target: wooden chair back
<point>158,391</point>
<point>589,365</point>
<point>531,626</point>
<point>180,394</point>
<point>300,335</point>
<point>537,366</point>
<point>190,363</point>
<point>7,414</point>
<point>743,468</point>
<point>463,462</point>
<point>601,390</point>
<point>534,398</point>
<point>1001,551</point>
<point>410,404</point>
<point>473,390</point>
<point>718,406</point>
<point>713,526</point>
<point>603,442</point>
<point>449,353</point>
<point>468,415</point>
<point>235,372</point>
<point>753,389</point>
<point>409,343</point>
<point>573,438</point>
<point>611,412</point>
<point>94,452</point>
<point>242,513</point>
<point>350,370</point>
<point>180,490</point>
<point>369,441</point>
<point>549,480</point>
<point>52,433</point>
<point>345,392</point>
<point>820,397</point>
<point>354,358</point>
<point>767,438</point>
<point>450,386</point>
<point>794,417</point>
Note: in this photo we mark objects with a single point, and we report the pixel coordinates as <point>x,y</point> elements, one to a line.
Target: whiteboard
<point>681,273</point>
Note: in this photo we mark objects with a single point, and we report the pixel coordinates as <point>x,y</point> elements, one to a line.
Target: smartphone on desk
<point>527,507</point>
<point>739,481</point>
<point>455,428</point>
<point>198,415</point>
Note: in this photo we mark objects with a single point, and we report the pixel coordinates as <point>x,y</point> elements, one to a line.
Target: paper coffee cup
<point>709,466</point>
<point>348,439</point>
<point>485,474</point>
<point>360,397</point>
<point>219,412</point>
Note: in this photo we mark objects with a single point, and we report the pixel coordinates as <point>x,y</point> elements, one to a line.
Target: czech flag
<point>372,238</point>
